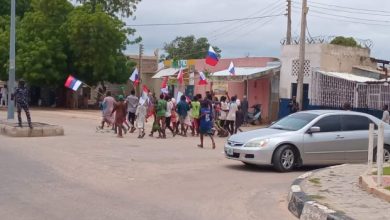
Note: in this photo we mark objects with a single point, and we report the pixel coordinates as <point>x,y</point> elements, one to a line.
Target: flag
<point>231,69</point>
<point>135,77</point>
<point>180,76</point>
<point>202,79</point>
<point>144,96</point>
<point>212,57</point>
<point>164,85</point>
<point>73,83</point>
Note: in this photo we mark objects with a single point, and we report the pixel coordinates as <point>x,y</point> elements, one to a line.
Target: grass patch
<point>316,197</point>
<point>315,181</point>
<point>386,171</point>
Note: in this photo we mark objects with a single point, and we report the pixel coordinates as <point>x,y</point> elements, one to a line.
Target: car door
<point>325,147</point>
<point>355,135</point>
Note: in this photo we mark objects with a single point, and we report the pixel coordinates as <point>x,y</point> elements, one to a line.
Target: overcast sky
<point>261,37</point>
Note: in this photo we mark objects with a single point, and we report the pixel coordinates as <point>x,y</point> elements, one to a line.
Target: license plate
<point>230,151</point>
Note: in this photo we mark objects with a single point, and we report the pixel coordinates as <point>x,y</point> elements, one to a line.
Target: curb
<point>304,207</point>
<point>39,130</point>
<point>368,184</point>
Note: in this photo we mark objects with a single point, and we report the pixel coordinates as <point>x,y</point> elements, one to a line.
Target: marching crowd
<point>199,116</point>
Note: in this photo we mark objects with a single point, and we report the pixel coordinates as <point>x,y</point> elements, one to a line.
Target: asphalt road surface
<point>94,175</point>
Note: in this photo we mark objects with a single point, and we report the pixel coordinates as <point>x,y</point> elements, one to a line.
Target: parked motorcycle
<point>254,117</point>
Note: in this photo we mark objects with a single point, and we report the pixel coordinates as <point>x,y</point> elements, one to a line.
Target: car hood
<point>258,133</point>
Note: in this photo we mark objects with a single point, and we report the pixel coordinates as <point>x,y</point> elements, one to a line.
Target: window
<point>355,123</point>
<point>296,66</point>
<point>329,123</point>
<point>294,122</point>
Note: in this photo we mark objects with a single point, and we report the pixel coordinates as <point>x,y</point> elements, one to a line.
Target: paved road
<point>91,175</point>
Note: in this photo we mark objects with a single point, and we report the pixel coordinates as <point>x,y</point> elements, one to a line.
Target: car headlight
<point>257,143</point>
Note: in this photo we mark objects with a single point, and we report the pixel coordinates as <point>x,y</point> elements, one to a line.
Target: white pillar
<point>379,154</point>
<point>370,148</point>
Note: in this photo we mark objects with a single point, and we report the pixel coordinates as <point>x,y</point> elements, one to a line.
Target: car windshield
<point>294,122</point>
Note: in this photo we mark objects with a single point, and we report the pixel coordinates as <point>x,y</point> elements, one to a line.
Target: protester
<point>140,119</point>
<point>386,115</point>
<point>132,103</point>
<point>206,124</point>
<point>4,98</point>
<point>224,111</point>
<point>161,109</point>
<point>231,116</point>
<point>195,111</point>
<point>245,108</point>
<point>239,119</point>
<point>182,110</point>
<point>107,107</point>
<point>21,96</point>
<point>175,125</point>
<point>293,105</point>
<point>120,110</point>
<point>347,106</point>
<point>151,106</point>
<point>168,115</point>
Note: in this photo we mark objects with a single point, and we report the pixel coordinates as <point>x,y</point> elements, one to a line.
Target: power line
<point>351,8</point>
<point>215,37</point>
<point>201,22</point>
<point>345,11</point>
<point>227,28</point>
<point>344,20</point>
<point>342,16</point>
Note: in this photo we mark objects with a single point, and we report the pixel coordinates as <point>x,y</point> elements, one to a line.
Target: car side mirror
<point>314,129</point>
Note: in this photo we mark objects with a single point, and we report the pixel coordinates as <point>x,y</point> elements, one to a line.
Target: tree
<point>124,7</point>
<point>4,47</point>
<point>345,41</point>
<point>96,41</point>
<point>41,57</point>
<point>22,6</point>
<point>188,48</point>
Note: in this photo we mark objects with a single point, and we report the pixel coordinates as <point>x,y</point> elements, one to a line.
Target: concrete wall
<point>259,93</point>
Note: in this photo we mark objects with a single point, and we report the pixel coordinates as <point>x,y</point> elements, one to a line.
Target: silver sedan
<point>316,137</point>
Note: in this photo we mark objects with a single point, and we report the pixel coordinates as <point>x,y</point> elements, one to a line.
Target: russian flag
<point>212,58</point>
<point>73,83</point>
<point>180,76</point>
<point>135,77</point>
<point>231,69</point>
<point>144,96</point>
<point>202,79</point>
<point>164,85</point>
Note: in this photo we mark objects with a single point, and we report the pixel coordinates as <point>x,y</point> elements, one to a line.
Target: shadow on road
<point>268,169</point>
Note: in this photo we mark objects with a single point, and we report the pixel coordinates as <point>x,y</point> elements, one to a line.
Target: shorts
<point>131,117</point>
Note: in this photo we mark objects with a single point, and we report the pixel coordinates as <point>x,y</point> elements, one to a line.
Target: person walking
<point>132,103</point>
<point>161,109</point>
<point>182,111</point>
<point>140,114</point>
<point>107,107</point>
<point>4,96</point>
<point>231,116</point>
<point>120,110</point>
<point>21,96</point>
<point>206,124</point>
<point>239,119</point>
<point>195,112</point>
<point>386,114</point>
<point>245,109</point>
<point>224,112</point>
<point>168,115</point>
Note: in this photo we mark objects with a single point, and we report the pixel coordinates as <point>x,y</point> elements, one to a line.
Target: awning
<point>244,73</point>
<point>349,76</point>
<point>165,72</point>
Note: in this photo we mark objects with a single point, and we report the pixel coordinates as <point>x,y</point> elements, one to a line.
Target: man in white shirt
<point>4,98</point>
<point>386,115</point>
<point>132,103</point>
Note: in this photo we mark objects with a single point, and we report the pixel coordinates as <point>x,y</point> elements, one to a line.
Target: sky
<point>261,37</point>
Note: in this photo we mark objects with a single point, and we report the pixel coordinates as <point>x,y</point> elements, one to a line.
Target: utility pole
<point>302,41</point>
<point>11,76</point>
<point>141,53</point>
<point>288,36</point>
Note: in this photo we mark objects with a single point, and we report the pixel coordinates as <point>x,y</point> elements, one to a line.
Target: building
<point>256,77</point>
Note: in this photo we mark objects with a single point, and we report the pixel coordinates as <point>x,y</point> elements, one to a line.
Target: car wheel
<point>284,158</point>
<point>386,154</point>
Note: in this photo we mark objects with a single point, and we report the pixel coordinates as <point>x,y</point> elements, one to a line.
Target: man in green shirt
<point>195,112</point>
<point>161,109</point>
